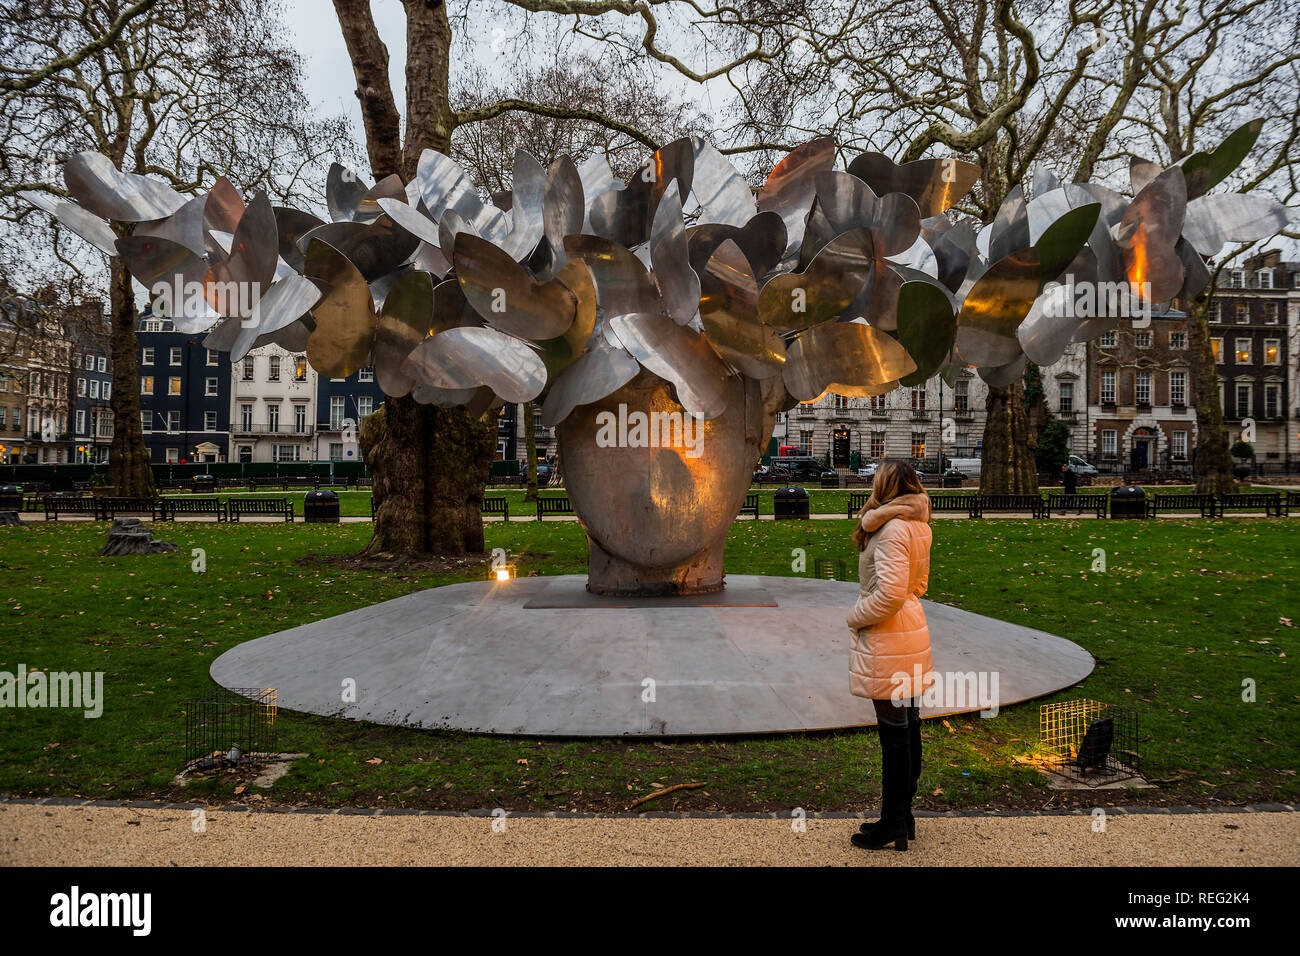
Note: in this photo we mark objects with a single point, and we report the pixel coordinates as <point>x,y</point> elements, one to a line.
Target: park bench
<point>856,500</point>
<point>56,505</point>
<point>170,507</point>
<point>493,506</point>
<point>1292,500</point>
<point>956,504</point>
<point>553,505</point>
<point>497,481</point>
<point>1094,503</point>
<point>283,484</point>
<point>1268,502</point>
<point>1033,504</point>
<point>750,507</point>
<point>238,507</point>
<point>137,506</point>
<point>1185,502</point>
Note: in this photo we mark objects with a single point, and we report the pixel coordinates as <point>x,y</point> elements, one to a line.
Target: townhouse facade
<point>341,404</point>
<point>273,406</point>
<point>184,394</point>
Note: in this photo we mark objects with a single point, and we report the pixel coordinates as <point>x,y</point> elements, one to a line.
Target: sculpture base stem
<point>607,574</point>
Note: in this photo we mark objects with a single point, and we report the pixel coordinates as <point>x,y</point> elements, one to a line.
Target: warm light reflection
<point>503,574</point>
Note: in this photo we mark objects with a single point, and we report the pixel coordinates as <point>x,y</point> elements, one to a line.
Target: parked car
<point>544,471</point>
<point>1085,471</point>
<point>801,468</point>
<point>868,470</point>
<point>969,467</point>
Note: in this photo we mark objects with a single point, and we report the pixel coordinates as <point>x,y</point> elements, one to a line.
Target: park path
<point>35,834</point>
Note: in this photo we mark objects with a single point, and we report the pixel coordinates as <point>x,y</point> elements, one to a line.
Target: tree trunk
<point>429,468</point>
<point>1211,462</point>
<point>429,465</point>
<point>129,473</point>
<point>530,443</point>
<point>1008,466</point>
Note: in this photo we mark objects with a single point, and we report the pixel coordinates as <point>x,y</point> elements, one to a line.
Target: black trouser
<point>899,726</point>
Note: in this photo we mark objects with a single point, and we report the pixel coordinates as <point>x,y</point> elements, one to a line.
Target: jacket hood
<point>912,507</point>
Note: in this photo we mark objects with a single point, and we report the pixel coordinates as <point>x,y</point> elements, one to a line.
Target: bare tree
<point>183,91</point>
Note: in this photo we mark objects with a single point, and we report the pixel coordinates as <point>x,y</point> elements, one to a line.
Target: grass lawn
<point>1185,612</point>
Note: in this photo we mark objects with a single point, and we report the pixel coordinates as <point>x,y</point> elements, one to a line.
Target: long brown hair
<point>893,478</point>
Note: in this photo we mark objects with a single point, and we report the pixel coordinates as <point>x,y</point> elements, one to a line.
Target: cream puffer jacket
<point>891,640</point>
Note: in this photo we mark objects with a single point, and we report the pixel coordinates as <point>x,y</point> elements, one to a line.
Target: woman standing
<point>890,661</point>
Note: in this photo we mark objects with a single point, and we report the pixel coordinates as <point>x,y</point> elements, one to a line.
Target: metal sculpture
<point>681,296</point>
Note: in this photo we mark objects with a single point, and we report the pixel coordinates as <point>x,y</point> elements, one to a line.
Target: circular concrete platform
<point>542,657</point>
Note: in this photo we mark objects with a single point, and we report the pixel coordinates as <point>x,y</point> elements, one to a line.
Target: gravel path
<point>107,836</point>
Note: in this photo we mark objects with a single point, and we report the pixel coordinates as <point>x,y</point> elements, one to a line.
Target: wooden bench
<point>238,507</point>
<point>1168,501</point>
<point>491,506</point>
<point>56,505</point>
<point>140,507</point>
<point>856,500</point>
<point>1095,503</point>
<point>283,483</point>
<point>1268,502</point>
<point>1033,504</point>
<point>170,507</point>
<point>956,504</point>
<point>1292,500</point>
<point>750,507</point>
<point>553,505</point>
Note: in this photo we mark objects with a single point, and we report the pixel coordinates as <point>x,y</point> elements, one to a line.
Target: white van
<point>970,467</point>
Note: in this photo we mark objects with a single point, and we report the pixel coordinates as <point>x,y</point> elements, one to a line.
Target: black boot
<point>914,752</point>
<point>896,770</point>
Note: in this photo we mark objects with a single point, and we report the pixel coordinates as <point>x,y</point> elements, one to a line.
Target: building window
<point>173,421</point>
<point>918,401</point>
<point>1272,401</point>
<point>245,453</point>
<point>1216,347</point>
<point>175,355</point>
<point>877,444</point>
<point>365,405</point>
<point>1216,312</point>
<point>1243,351</point>
<point>174,385</point>
<point>840,401</point>
<point>1243,313</point>
<point>805,441</point>
<point>285,452</point>
<point>209,421</point>
<point>1272,352</point>
<point>1142,339</point>
<point>81,387</point>
<point>366,374</point>
<point>918,444</point>
<point>81,422</point>
<point>1109,339</point>
<point>300,368</point>
<point>209,387</point>
<point>273,417</point>
<point>173,455</point>
<point>1178,340</point>
<point>213,358</point>
<point>1178,388</point>
<point>1238,279</point>
<point>336,412</point>
<point>1264,279</point>
<point>1066,392</point>
<point>336,451</point>
<point>877,403</point>
<point>94,388</point>
<point>248,368</point>
<point>102,365</point>
<point>146,421</point>
<point>106,392</point>
<point>146,384</point>
<point>146,355</point>
<point>1243,400</point>
<point>299,418</point>
<point>1108,443</point>
<point>1178,446</point>
<point>273,374</point>
<point>1108,386</point>
<point>246,417</point>
<point>1142,388</point>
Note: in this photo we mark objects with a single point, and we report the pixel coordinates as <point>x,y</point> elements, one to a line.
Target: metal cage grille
<point>232,728</point>
<point>1089,740</point>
